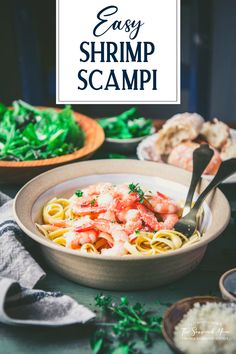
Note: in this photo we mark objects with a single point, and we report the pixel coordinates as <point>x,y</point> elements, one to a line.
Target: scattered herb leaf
<point>93,201</point>
<point>79,193</point>
<point>136,189</point>
<point>127,324</point>
<point>97,341</point>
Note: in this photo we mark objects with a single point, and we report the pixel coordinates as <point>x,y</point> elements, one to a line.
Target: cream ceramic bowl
<point>127,272</point>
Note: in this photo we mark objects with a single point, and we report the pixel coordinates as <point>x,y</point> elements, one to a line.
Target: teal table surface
<point>220,256</point>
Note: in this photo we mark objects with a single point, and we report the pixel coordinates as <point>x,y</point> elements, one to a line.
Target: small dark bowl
<point>123,146</point>
<point>228,285</point>
<point>175,314</point>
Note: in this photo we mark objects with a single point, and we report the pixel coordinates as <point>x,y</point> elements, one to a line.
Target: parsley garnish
<point>136,188</point>
<point>93,201</point>
<point>79,193</point>
<point>128,323</point>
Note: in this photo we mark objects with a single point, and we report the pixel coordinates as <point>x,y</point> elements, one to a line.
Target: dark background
<point>208,69</point>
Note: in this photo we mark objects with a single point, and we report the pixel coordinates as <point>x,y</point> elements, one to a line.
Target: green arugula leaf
<point>27,133</point>
<point>126,125</point>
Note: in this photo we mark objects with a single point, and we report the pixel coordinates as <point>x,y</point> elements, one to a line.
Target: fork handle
<point>227,168</point>
<point>201,158</point>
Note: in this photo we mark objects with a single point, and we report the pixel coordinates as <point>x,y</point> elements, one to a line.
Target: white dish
<point>148,144</point>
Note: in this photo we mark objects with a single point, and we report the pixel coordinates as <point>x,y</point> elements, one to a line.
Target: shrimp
<point>214,164</point>
<point>96,196</point>
<point>102,218</point>
<point>117,250</point>
<point>107,237</point>
<point>114,229</point>
<point>58,222</point>
<point>122,207</point>
<point>104,200</point>
<point>122,191</point>
<point>108,215</point>
<point>132,221</point>
<point>118,233</point>
<point>148,217</point>
<point>87,210</point>
<point>169,220</point>
<point>100,188</point>
<point>129,202</point>
<point>75,239</point>
<point>182,156</point>
<point>90,236</point>
<point>162,204</point>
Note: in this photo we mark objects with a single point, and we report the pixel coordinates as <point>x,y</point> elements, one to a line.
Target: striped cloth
<point>20,304</point>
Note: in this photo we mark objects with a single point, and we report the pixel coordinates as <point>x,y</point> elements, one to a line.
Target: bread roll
<point>216,133</point>
<point>179,128</point>
<point>229,149</point>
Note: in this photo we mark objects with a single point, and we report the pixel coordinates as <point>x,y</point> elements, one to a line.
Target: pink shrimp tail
<point>148,217</point>
<point>169,220</point>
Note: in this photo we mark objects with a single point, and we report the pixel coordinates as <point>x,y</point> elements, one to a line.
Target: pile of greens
<point>123,325</point>
<point>27,133</point>
<point>127,125</point>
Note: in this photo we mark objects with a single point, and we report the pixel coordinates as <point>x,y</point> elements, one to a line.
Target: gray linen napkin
<point>15,261</point>
<point>19,273</point>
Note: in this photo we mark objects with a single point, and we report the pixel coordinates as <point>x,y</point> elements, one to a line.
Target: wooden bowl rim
<point>193,299</point>
<point>84,151</point>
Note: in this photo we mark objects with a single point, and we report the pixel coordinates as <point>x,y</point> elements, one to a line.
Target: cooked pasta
<point>148,243</point>
<point>115,220</point>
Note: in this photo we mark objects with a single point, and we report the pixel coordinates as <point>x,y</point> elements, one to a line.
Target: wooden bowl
<point>175,314</point>
<point>117,272</point>
<point>22,171</point>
